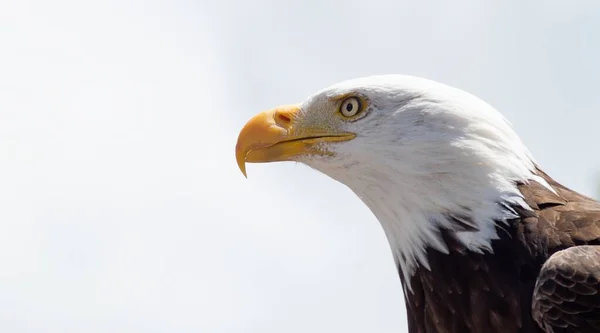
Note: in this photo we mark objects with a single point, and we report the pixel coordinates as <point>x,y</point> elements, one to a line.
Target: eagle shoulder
<point>564,231</point>
<point>557,220</point>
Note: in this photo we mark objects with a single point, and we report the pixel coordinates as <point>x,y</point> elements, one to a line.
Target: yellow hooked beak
<point>273,136</point>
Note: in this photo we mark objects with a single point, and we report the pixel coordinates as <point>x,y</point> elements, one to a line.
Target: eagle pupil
<point>349,107</point>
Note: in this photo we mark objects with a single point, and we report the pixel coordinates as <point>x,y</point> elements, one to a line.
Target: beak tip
<point>242,167</point>
<point>241,160</point>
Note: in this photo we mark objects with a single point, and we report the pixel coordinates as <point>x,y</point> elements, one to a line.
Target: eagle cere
<point>483,239</point>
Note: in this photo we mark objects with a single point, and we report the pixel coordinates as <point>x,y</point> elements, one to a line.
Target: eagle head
<point>420,154</point>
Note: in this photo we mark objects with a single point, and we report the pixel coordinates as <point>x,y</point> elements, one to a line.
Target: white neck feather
<point>412,208</point>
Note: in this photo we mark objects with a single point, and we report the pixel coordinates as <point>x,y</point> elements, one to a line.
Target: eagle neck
<point>415,216</point>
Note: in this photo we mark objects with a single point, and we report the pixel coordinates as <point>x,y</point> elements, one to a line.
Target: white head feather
<point>423,151</point>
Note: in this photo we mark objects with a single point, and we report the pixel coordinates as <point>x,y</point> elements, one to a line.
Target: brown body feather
<point>468,292</point>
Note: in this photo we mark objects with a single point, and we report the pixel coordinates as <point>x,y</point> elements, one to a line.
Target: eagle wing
<point>566,297</point>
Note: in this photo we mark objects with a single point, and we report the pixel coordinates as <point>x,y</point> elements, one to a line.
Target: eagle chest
<point>467,292</point>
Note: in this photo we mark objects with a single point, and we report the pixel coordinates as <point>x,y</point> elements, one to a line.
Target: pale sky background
<point>121,206</point>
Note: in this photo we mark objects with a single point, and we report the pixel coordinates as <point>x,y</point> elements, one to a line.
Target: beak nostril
<point>283,119</point>
<point>285,115</point>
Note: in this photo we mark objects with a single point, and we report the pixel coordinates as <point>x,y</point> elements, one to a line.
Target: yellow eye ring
<point>351,106</point>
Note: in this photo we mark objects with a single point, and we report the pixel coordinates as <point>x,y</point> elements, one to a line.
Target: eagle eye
<point>350,107</point>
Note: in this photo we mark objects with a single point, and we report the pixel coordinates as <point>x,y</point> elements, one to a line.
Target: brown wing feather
<point>566,297</point>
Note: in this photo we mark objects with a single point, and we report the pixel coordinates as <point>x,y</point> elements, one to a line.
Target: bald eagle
<point>483,239</point>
